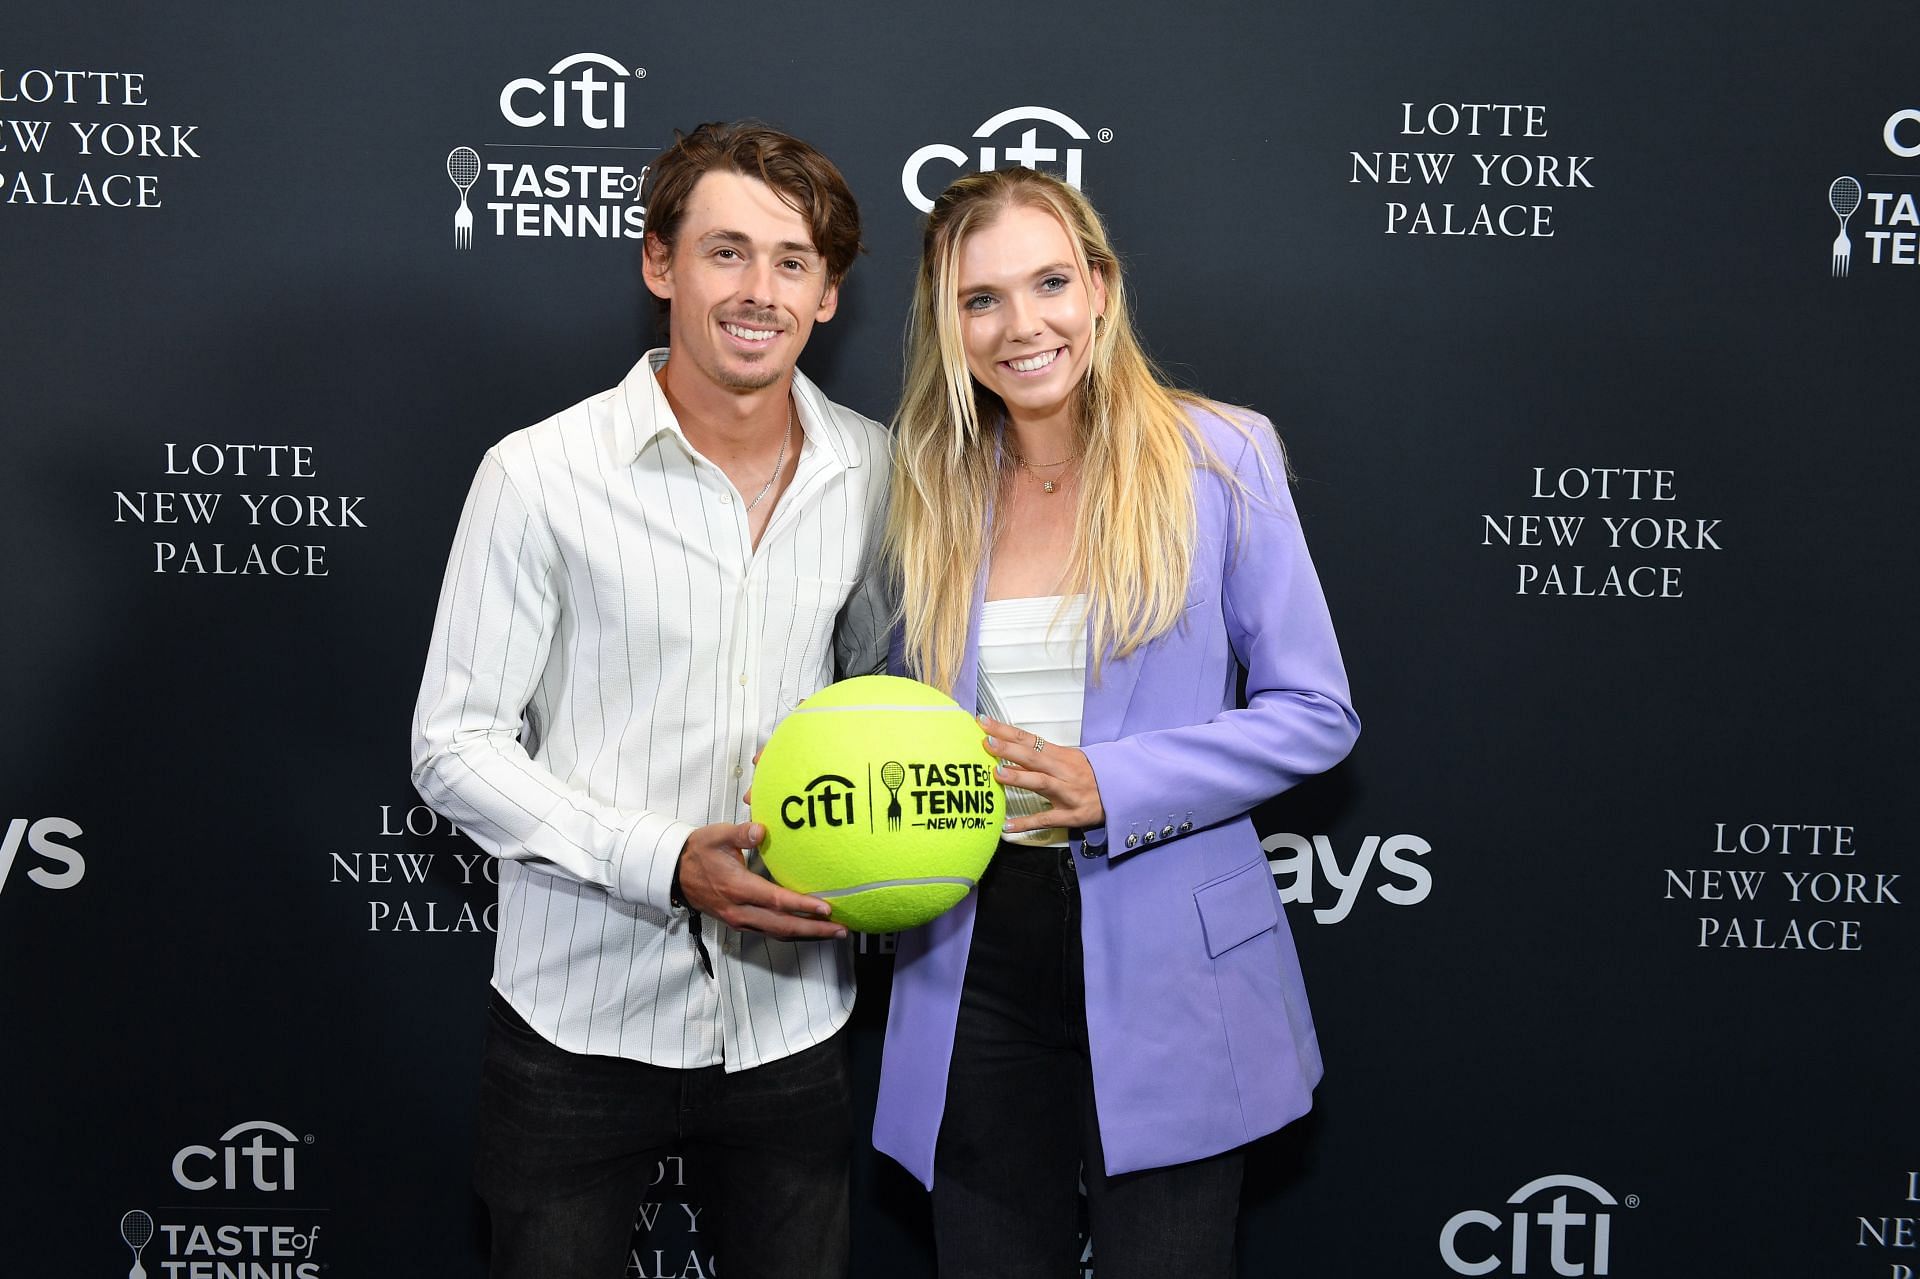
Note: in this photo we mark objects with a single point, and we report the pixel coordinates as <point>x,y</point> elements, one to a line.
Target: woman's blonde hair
<point>1134,525</point>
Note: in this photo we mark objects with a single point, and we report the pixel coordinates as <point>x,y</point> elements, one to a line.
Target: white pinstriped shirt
<point>609,653</point>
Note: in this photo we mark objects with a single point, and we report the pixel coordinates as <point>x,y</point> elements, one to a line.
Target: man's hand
<point>715,881</point>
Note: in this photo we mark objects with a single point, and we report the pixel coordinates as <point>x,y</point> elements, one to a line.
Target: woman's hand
<point>1060,774</point>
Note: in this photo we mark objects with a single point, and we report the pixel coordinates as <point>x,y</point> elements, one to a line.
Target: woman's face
<point>1026,313</point>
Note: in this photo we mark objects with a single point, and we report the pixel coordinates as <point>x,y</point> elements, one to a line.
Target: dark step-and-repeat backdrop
<point>1591,330</point>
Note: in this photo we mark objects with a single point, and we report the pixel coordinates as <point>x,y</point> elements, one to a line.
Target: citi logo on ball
<point>827,800</point>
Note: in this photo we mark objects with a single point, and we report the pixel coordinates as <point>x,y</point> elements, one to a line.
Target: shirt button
<point>726,499</point>
<point>743,679</point>
<point>737,770</point>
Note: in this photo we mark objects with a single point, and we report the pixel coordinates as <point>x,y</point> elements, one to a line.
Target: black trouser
<point>569,1145</point>
<point>1020,1122</point>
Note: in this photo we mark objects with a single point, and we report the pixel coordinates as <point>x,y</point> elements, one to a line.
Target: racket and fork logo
<point>136,1231</point>
<point>893,777</point>
<point>1843,197</point>
<point>463,167</point>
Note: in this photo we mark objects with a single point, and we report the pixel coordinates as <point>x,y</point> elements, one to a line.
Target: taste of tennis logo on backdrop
<point>1569,1218</point>
<point>246,1213</point>
<point>557,170</point>
<point>1024,136</point>
<point>1878,218</point>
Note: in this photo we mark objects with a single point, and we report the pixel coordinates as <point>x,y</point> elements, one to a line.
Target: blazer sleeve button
<point>1133,841</point>
<point>1151,835</point>
<point>1185,827</point>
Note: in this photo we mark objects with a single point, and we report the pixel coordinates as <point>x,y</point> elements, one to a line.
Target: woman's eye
<point>1054,283</point>
<point>979,302</point>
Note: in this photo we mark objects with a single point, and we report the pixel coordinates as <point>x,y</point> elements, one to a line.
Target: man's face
<point>746,282</point>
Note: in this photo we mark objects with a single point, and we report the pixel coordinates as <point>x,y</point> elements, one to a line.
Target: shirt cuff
<point>648,859</point>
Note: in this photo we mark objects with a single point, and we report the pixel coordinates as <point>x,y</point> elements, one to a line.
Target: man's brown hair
<point>806,181</point>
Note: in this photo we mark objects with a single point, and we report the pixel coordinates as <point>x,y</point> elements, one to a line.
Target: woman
<point>1091,558</point>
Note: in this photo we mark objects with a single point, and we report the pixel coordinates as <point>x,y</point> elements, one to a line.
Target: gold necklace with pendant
<point>1034,469</point>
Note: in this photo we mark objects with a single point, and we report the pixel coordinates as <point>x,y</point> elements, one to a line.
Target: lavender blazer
<point>1196,1013</point>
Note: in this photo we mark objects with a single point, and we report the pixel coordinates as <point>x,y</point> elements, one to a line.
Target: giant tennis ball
<point>878,796</point>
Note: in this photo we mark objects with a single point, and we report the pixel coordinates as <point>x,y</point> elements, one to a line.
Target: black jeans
<point>569,1145</point>
<point>1020,1123</point>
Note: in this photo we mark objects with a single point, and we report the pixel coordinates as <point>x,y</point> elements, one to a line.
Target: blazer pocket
<point>1237,907</point>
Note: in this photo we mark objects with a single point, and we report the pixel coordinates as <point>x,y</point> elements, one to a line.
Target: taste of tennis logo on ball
<point>879,796</point>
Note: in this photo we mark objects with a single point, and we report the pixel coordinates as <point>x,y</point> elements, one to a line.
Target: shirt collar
<point>645,415</point>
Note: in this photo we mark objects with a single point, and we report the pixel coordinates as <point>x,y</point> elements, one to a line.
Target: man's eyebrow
<point>723,236</point>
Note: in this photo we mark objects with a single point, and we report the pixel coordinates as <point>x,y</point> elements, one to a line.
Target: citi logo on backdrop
<point>1902,133</point>
<point>255,1155</point>
<point>589,88</point>
<point>1049,136</point>
<point>1563,1214</point>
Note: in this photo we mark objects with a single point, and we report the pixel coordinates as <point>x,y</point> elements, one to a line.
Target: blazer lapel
<point>966,684</point>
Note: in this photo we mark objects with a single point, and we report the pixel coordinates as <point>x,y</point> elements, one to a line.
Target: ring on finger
<point>1038,745</point>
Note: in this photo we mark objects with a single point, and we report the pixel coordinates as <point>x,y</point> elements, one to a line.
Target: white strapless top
<point>1033,674</point>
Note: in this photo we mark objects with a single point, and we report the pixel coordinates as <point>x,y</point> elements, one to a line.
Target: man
<point>640,587</point>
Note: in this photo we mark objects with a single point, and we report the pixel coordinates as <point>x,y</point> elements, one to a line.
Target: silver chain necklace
<point>779,465</point>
